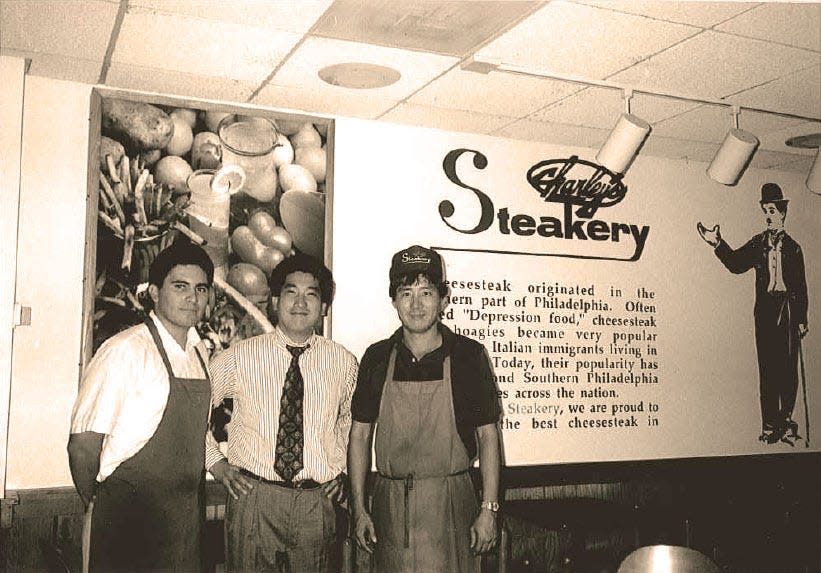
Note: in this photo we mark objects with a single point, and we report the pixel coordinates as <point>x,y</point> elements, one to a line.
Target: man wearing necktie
<point>780,308</point>
<point>288,434</point>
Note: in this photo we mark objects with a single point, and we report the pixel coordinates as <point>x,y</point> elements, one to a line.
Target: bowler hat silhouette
<point>771,193</point>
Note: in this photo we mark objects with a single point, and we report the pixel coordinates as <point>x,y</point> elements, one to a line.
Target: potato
<point>267,231</point>
<point>137,125</point>
<point>110,147</point>
<point>248,280</point>
<point>251,250</point>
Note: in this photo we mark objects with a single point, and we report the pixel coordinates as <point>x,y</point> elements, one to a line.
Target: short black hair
<point>407,279</point>
<point>305,264</point>
<point>181,252</point>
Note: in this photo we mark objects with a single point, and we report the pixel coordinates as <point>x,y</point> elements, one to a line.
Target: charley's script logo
<point>600,188</point>
<point>581,186</point>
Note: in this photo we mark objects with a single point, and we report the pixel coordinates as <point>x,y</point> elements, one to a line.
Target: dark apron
<point>424,502</point>
<point>148,514</point>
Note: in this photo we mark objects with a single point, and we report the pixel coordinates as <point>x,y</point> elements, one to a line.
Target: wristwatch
<point>493,506</point>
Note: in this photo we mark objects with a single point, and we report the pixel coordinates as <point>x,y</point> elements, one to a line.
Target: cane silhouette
<point>804,391</point>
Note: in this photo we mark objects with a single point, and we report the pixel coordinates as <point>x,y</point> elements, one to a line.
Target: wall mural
<point>248,187</point>
<point>780,313</point>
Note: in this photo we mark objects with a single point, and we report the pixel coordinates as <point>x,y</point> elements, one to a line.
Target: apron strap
<point>155,334</point>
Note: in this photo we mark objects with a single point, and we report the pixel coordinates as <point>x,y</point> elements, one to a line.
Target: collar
<point>398,340</point>
<point>283,340</point>
<point>168,341</point>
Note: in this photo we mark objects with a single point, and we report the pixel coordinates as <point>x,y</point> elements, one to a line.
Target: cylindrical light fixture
<point>734,155</point>
<point>814,176</point>
<point>624,142</point>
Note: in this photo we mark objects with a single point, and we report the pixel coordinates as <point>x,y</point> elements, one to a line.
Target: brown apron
<point>424,502</point>
<point>148,514</point>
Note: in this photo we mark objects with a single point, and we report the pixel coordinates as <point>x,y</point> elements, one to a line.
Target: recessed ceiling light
<point>810,141</point>
<point>359,75</point>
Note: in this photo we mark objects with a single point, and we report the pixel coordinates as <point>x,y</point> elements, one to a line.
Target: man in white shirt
<point>139,424</point>
<point>288,434</point>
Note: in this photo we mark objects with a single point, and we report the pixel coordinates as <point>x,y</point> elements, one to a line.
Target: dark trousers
<point>278,529</point>
<point>776,341</point>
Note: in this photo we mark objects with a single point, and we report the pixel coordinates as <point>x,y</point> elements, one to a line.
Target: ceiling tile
<point>554,133</point>
<point>444,27</point>
<point>774,140</point>
<point>680,149</point>
<point>713,65</point>
<point>764,159</point>
<point>496,93</point>
<point>59,67</point>
<point>201,47</point>
<point>288,15</point>
<point>711,123</point>
<point>801,165</point>
<point>571,38</point>
<point>591,107</point>
<point>73,29</point>
<point>701,14</point>
<point>314,54</point>
<point>339,101</point>
<point>601,107</point>
<point>446,119</point>
<point>792,23</point>
<point>129,76</point>
<point>798,93</point>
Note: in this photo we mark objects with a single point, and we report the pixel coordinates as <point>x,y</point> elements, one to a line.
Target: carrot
<point>111,223</point>
<point>139,197</point>
<point>189,233</point>
<point>112,196</point>
<point>250,308</point>
<point>112,169</point>
<point>128,247</point>
<point>125,173</point>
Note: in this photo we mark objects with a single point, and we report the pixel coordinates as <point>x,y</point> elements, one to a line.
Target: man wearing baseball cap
<point>780,309</point>
<point>432,396</point>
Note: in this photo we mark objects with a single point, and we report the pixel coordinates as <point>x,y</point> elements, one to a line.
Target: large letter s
<point>446,208</point>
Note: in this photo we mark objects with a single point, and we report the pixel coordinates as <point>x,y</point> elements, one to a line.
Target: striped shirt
<point>252,372</point>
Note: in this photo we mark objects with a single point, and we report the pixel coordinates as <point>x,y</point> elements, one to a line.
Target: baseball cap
<point>414,260</point>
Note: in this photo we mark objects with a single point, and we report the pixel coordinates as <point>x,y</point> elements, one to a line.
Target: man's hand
<point>335,488</point>
<point>483,532</point>
<point>230,476</point>
<point>710,236</point>
<point>364,531</point>
<point>803,329</point>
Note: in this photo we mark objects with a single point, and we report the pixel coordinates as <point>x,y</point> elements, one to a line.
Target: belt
<point>408,479</point>
<point>298,484</point>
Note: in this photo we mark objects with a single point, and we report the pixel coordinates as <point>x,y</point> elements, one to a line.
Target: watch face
<point>491,505</point>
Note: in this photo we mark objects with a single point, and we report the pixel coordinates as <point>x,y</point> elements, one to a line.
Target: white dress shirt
<point>125,389</point>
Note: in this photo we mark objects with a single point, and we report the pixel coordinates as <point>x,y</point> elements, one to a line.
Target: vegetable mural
<point>249,189</point>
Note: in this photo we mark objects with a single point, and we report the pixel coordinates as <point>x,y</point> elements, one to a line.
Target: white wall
<point>12,70</point>
<point>45,368</point>
<point>388,185</point>
<point>45,361</point>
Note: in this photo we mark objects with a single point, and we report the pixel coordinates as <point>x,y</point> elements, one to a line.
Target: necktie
<point>289,435</point>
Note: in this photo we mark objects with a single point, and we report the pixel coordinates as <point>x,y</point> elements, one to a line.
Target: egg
<point>313,159</point>
<point>293,176</point>
<point>307,136</point>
